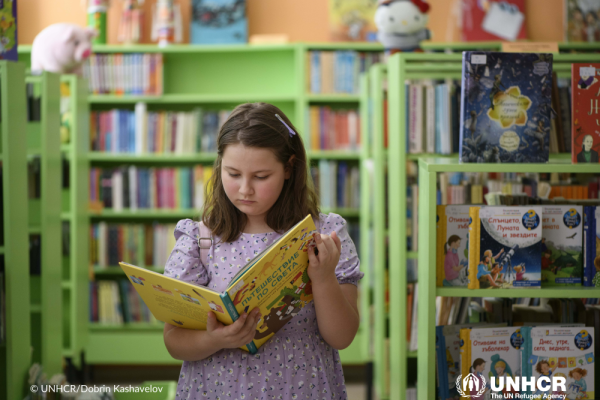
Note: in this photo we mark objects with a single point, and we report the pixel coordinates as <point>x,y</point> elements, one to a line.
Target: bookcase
<point>14,253</point>
<point>213,78</point>
<point>563,47</point>
<point>43,154</point>
<point>428,170</point>
<point>435,66</point>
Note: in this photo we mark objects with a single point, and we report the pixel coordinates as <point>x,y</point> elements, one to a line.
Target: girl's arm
<point>335,305</point>
<point>193,345</point>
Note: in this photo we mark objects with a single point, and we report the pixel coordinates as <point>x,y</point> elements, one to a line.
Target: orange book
<point>409,306</point>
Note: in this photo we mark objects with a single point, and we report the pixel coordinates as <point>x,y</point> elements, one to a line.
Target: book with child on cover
<point>276,281</point>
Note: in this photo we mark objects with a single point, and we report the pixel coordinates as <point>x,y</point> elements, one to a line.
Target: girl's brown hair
<point>538,367</point>
<point>451,239</point>
<point>580,371</point>
<point>255,125</point>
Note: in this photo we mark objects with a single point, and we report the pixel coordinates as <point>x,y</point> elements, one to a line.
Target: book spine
<point>463,100</point>
<point>442,363</point>
<point>465,351</point>
<point>589,244</point>
<point>441,235</point>
<point>526,369</point>
<point>234,317</point>
<point>474,241</point>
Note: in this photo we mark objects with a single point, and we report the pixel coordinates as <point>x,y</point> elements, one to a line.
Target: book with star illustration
<point>275,281</point>
<point>506,101</point>
<point>561,351</point>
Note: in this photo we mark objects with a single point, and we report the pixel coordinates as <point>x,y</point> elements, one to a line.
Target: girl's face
<point>545,368</point>
<point>576,376</point>
<point>252,178</point>
<point>480,367</point>
<point>456,244</point>
<point>500,370</point>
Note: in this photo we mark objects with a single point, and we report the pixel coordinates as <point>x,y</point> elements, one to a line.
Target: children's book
<point>566,352</point>
<point>487,353</point>
<point>591,241</point>
<point>219,22</point>
<point>447,349</point>
<point>562,245</point>
<point>505,247</point>
<point>506,101</point>
<point>452,245</point>
<point>8,32</point>
<point>581,20</point>
<point>585,89</point>
<point>275,281</point>
<point>493,20</point>
<point>352,20</point>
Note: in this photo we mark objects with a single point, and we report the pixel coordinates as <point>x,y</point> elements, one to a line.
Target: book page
<point>176,302</point>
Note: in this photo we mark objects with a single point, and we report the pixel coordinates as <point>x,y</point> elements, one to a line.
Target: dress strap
<point>205,242</point>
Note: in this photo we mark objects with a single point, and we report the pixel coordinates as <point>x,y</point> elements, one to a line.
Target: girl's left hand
<point>322,266</point>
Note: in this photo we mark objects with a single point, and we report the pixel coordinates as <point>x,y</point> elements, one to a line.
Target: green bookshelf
<point>213,77</point>
<point>428,170</point>
<point>43,146</point>
<point>74,207</point>
<point>497,46</point>
<point>15,350</point>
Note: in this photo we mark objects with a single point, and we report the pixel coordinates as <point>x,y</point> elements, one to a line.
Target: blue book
<point>505,107</point>
<point>219,22</point>
<point>315,72</point>
<point>591,239</point>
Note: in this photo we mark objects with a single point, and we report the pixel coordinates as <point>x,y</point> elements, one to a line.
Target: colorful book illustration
<point>506,101</point>
<point>275,281</point>
<point>452,245</point>
<point>493,20</point>
<point>566,352</point>
<point>585,88</point>
<point>562,245</point>
<point>447,348</point>
<point>219,22</point>
<point>352,20</point>
<point>581,20</point>
<point>591,241</point>
<point>505,247</point>
<point>487,353</point>
<point>8,30</point>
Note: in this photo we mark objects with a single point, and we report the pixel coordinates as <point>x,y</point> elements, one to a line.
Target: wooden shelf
<point>333,155</point>
<point>332,98</point>
<point>145,214</point>
<point>190,98</point>
<point>123,158</point>
<point>562,292</point>
<point>110,271</point>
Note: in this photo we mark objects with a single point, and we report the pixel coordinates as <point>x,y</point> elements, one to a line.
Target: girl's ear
<point>289,167</point>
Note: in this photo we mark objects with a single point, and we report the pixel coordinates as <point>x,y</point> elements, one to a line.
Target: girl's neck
<point>256,224</point>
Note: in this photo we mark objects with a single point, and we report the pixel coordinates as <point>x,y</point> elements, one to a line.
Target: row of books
<point>500,351</point>
<point>132,187</point>
<point>337,183</point>
<point>125,74</point>
<point>117,302</point>
<point>332,129</point>
<point>517,247</point>
<point>337,71</point>
<point>138,244</point>
<point>160,132</point>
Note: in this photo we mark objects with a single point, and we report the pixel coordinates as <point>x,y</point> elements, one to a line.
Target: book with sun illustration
<point>276,281</point>
<point>506,101</point>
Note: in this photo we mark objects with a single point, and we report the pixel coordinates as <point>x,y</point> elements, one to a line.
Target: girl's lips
<point>246,201</point>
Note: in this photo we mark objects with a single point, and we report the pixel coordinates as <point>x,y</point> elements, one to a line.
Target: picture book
<point>493,20</point>
<point>487,353</point>
<point>581,20</point>
<point>585,89</point>
<point>505,247</point>
<point>591,245</point>
<point>562,245</point>
<point>275,281</point>
<point>352,20</point>
<point>447,349</point>
<point>566,352</point>
<point>219,22</point>
<point>452,251</point>
<point>8,34</point>
<point>506,101</point>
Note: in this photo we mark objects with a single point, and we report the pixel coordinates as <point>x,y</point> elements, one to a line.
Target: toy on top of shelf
<point>166,23</point>
<point>401,24</point>
<point>61,48</point>
<point>96,11</point>
<point>219,22</point>
<point>8,30</point>
<point>130,25</point>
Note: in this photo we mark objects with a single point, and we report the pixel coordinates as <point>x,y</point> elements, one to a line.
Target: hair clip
<point>292,133</point>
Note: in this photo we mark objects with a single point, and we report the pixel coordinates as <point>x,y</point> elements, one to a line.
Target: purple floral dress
<point>296,363</point>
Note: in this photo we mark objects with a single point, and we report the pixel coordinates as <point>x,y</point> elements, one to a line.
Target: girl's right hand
<point>238,334</point>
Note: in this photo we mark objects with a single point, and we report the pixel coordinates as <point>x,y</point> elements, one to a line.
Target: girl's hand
<point>322,266</point>
<point>238,334</point>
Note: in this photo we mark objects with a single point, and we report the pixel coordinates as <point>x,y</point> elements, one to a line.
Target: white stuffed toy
<point>61,48</point>
<point>401,24</point>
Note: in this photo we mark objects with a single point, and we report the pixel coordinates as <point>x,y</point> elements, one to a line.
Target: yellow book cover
<point>160,125</point>
<point>440,240</point>
<point>275,281</point>
<point>474,239</point>
<point>465,353</point>
<point>207,172</point>
<point>452,251</point>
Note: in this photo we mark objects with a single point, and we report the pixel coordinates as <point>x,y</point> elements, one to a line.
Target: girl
<point>452,265</point>
<point>260,189</point>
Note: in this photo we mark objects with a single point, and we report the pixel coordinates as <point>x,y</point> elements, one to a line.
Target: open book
<point>275,281</point>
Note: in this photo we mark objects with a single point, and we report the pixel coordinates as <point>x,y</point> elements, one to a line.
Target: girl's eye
<point>262,177</point>
<point>234,175</point>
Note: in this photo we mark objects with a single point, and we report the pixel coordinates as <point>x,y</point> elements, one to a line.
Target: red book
<point>474,13</point>
<point>585,113</point>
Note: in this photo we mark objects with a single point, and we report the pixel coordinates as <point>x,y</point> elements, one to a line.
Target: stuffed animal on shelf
<point>61,48</point>
<point>401,24</point>
<point>96,18</point>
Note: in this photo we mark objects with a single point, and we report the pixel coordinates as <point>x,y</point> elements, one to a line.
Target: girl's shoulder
<point>329,222</point>
<point>187,227</point>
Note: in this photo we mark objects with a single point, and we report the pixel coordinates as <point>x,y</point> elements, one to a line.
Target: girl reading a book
<point>455,272</point>
<point>260,189</point>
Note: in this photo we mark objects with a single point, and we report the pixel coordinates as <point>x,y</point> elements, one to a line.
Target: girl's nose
<point>246,188</point>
